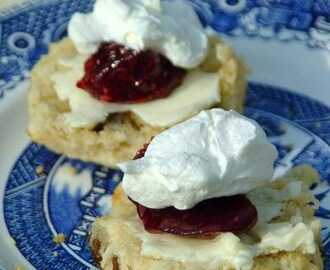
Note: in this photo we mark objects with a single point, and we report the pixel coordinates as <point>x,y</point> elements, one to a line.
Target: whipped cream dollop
<point>171,28</point>
<point>216,153</point>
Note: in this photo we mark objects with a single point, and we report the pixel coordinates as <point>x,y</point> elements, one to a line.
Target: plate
<point>43,194</point>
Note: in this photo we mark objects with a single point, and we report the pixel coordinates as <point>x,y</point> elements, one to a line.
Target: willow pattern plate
<point>286,43</point>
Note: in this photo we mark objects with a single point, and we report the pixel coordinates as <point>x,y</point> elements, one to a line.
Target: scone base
<point>122,134</point>
<point>115,247</point>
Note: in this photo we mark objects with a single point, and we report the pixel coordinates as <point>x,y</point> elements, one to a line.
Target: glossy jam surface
<point>225,214</point>
<point>116,73</point>
<point>140,153</point>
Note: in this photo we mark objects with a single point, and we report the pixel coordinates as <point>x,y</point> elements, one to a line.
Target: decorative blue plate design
<point>26,32</point>
<point>286,20</point>
<point>48,194</point>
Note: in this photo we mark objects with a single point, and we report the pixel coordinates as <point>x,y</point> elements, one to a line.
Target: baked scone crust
<point>111,236</point>
<point>122,134</point>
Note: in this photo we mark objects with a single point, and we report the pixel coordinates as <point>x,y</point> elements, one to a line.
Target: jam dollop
<point>116,73</point>
<point>234,214</point>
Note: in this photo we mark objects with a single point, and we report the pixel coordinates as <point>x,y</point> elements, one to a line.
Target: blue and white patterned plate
<point>287,44</point>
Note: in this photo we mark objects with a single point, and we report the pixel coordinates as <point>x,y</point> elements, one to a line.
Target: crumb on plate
<point>71,170</point>
<point>40,169</point>
<point>55,253</point>
<point>11,241</point>
<point>18,267</point>
<point>59,238</point>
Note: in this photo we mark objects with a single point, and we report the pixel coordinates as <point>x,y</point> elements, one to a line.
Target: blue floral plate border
<point>40,185</point>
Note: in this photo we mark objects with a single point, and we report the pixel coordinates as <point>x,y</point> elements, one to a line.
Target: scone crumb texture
<point>39,169</point>
<point>59,238</point>
<point>18,267</point>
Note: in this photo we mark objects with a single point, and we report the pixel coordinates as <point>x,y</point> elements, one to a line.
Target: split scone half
<point>286,235</point>
<point>118,138</point>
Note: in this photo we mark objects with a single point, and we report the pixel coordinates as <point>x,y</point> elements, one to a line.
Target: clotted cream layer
<point>171,28</point>
<point>238,251</point>
<point>199,90</point>
<point>217,153</point>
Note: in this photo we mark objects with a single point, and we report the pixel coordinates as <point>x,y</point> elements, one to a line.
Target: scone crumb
<point>18,267</point>
<point>55,253</point>
<point>116,178</point>
<point>11,241</point>
<point>306,173</point>
<point>71,170</point>
<point>59,238</point>
<point>283,127</point>
<point>318,124</point>
<point>40,169</point>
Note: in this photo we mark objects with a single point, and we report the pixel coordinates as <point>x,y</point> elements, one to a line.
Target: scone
<point>117,137</point>
<point>286,235</point>
<point>115,244</point>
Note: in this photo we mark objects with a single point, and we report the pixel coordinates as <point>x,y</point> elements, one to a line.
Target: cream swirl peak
<point>216,153</point>
<point>171,28</point>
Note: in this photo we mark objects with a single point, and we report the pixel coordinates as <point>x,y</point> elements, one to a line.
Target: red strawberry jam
<point>116,73</point>
<point>140,153</point>
<point>224,214</point>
